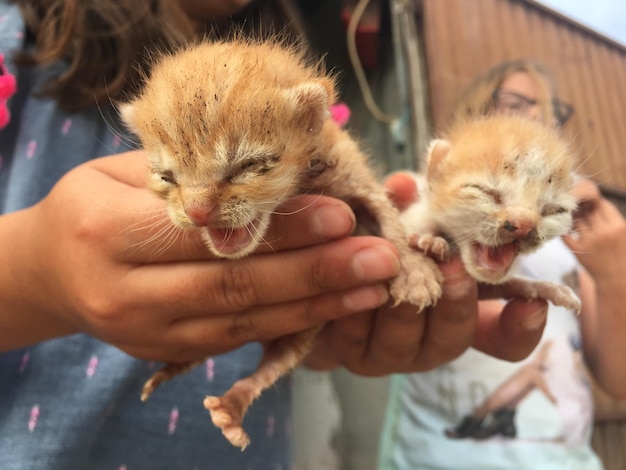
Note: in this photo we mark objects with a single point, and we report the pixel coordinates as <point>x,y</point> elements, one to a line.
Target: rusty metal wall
<point>463,38</point>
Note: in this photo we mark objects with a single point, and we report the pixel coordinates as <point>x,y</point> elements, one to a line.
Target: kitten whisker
<point>275,212</point>
<point>229,233</point>
<point>581,163</point>
<point>157,238</point>
<point>604,172</point>
<point>147,223</point>
<point>167,242</point>
<point>163,237</point>
<point>273,203</point>
<point>262,239</point>
<point>117,208</point>
<point>117,131</point>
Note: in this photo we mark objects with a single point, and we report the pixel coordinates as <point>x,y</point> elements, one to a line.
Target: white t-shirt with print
<point>552,426</point>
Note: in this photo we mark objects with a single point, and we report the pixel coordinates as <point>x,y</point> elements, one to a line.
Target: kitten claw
<point>418,283</point>
<point>431,244</point>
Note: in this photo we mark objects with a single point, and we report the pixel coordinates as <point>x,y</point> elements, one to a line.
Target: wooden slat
<point>489,32</point>
<point>608,65</point>
<point>608,139</point>
<point>512,46</point>
<point>566,73</point>
<point>594,158</point>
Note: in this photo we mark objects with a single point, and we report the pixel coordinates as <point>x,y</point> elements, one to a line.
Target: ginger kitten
<point>232,130</point>
<point>496,188</point>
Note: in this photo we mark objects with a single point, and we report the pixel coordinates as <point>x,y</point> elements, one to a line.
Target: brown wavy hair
<point>108,45</point>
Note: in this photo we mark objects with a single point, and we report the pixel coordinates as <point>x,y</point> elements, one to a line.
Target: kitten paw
<point>227,416</point>
<point>430,244</point>
<point>557,294</point>
<point>419,281</point>
<point>565,297</point>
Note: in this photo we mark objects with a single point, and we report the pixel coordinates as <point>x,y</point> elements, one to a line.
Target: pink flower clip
<point>340,113</point>
<point>8,87</point>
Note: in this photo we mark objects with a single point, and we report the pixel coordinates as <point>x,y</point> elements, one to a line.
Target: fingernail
<point>376,263</point>
<point>365,298</point>
<point>332,221</point>
<point>535,320</point>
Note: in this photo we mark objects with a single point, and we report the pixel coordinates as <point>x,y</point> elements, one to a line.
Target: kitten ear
<point>437,152</point>
<point>310,102</point>
<point>127,112</point>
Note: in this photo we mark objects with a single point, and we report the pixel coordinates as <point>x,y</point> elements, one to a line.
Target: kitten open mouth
<point>495,259</point>
<point>231,240</point>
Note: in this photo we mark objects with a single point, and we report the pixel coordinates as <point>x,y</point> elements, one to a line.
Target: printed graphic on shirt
<point>497,414</point>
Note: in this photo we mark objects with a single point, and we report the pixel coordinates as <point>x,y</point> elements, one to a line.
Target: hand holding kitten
<point>395,340</point>
<point>96,261</point>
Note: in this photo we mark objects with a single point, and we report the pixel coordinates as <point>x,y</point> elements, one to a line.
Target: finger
<point>396,338</point>
<point>351,340</point>
<point>402,190</point>
<point>307,220</point>
<point>147,235</point>
<point>452,322</point>
<point>610,214</point>
<point>217,334</point>
<point>236,285</point>
<point>577,239</point>
<point>510,332</point>
<point>586,190</point>
<point>129,169</point>
<point>404,339</point>
<point>343,342</point>
<point>597,228</point>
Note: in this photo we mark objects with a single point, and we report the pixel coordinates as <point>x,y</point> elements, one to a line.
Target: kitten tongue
<point>495,258</point>
<point>228,240</point>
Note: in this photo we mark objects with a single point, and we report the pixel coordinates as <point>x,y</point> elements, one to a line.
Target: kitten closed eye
<point>254,165</point>
<point>167,177</point>
<point>493,194</point>
<point>549,210</point>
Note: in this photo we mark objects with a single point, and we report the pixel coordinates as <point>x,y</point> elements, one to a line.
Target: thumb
<point>402,190</point>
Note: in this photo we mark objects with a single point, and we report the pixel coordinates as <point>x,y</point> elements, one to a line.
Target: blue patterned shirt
<point>73,403</point>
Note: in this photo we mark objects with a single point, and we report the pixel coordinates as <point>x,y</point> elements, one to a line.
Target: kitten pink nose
<point>201,215</point>
<point>520,228</point>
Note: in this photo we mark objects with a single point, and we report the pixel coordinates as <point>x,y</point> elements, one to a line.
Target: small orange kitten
<point>496,188</point>
<point>231,131</point>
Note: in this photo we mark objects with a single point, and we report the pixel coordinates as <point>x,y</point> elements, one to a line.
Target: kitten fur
<point>232,130</point>
<point>495,188</point>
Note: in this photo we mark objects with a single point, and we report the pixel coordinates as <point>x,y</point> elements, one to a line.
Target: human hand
<point>598,237</point>
<point>395,340</point>
<point>99,255</point>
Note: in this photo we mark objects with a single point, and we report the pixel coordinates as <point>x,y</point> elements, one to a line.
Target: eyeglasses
<point>515,103</point>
